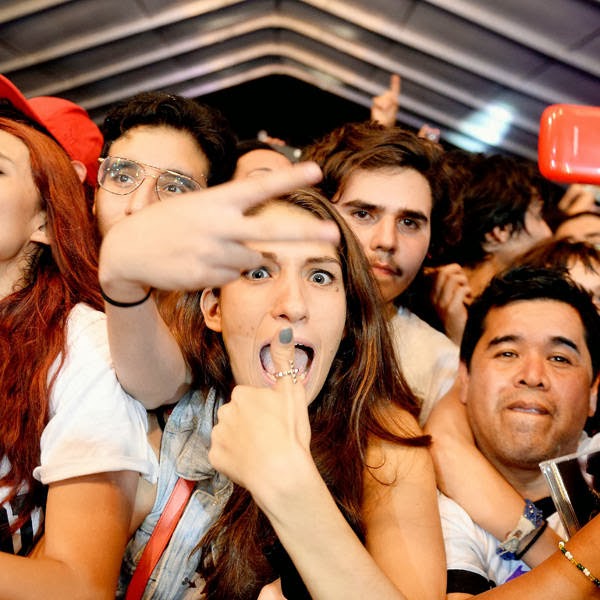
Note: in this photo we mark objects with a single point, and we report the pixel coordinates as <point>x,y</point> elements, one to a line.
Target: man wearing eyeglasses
<point>158,145</point>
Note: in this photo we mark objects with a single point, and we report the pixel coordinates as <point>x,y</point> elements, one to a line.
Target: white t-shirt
<point>472,550</point>
<point>428,359</point>
<point>94,426</point>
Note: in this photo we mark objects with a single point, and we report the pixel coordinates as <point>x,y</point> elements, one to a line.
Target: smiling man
<point>530,357</point>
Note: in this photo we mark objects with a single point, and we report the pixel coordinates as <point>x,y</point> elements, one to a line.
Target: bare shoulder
<point>388,461</point>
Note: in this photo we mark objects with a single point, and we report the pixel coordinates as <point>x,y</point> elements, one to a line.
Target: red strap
<point>160,537</point>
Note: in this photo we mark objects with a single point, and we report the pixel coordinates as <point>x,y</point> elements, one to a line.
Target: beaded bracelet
<point>531,519</point>
<point>112,302</point>
<point>583,569</point>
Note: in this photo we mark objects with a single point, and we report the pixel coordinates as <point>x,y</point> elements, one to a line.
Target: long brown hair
<point>363,387</point>
<point>33,317</point>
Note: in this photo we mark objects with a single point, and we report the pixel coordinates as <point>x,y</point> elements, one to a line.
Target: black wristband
<point>532,541</point>
<point>112,302</point>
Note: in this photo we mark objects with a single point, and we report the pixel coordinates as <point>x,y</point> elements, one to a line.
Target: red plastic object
<point>569,143</point>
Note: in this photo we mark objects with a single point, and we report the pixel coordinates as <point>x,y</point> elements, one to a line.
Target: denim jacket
<point>184,452</point>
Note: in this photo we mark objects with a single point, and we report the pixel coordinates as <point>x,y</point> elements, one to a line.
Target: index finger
<point>249,191</point>
<point>243,194</point>
<point>395,83</point>
<point>282,353</point>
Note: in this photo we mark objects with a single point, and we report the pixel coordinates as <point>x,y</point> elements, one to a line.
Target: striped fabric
<point>23,539</point>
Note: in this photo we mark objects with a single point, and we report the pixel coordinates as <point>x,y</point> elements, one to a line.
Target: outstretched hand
<point>198,240</point>
<point>262,432</point>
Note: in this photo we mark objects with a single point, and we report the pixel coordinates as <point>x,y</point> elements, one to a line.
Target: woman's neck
<point>11,276</point>
<point>390,309</point>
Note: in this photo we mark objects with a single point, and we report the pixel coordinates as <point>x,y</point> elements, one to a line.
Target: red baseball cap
<point>68,122</point>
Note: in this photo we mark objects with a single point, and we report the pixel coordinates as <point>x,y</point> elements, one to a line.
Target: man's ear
<point>496,238</point>
<point>463,381</point>
<point>39,234</point>
<point>211,309</point>
<point>80,169</point>
<point>593,397</point>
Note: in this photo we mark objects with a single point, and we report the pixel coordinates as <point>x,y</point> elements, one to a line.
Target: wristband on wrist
<point>532,541</point>
<point>112,302</point>
<point>531,519</point>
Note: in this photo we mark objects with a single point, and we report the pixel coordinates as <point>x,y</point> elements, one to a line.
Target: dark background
<point>299,113</point>
<point>289,109</point>
<point>285,107</point>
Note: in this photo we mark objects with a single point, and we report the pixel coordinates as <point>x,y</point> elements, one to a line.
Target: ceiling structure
<point>480,70</point>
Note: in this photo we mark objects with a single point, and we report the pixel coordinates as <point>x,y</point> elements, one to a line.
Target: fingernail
<point>332,233</point>
<point>311,168</point>
<point>285,335</point>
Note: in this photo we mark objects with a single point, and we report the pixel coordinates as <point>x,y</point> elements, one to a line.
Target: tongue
<point>300,359</point>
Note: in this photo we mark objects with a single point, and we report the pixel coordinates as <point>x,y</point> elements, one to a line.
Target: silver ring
<point>292,372</point>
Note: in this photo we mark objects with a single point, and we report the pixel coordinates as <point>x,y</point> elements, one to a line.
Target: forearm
<point>486,496</point>
<point>330,558</point>
<point>86,530</point>
<point>147,358</point>
<point>23,578</point>
<point>556,576</point>
<point>466,476</point>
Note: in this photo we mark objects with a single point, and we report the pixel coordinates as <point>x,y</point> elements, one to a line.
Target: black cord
<point>112,302</point>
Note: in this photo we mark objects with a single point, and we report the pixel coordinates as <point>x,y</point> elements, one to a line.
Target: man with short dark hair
<point>530,357</point>
<point>501,216</point>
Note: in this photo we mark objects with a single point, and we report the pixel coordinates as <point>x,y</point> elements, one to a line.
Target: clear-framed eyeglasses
<point>122,176</point>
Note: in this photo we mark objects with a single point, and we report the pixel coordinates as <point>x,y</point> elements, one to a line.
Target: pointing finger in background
<point>395,84</point>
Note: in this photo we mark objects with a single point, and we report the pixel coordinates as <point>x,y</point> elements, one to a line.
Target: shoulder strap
<point>160,537</point>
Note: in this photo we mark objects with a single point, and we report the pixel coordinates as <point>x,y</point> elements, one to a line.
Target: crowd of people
<point>228,374</point>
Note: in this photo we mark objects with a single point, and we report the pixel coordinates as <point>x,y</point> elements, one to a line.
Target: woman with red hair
<point>72,443</point>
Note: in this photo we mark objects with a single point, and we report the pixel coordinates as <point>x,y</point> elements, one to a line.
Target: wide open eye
<point>258,273</point>
<point>321,277</point>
